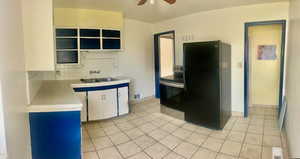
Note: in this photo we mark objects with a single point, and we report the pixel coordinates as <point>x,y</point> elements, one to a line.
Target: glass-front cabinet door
<point>67,46</point>
<point>111,39</point>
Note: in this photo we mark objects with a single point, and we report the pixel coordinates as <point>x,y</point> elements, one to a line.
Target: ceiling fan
<point>142,2</point>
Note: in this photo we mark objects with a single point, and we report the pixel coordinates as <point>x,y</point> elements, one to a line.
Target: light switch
<point>240,64</point>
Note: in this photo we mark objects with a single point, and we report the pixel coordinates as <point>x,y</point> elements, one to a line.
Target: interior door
<point>123,100</point>
<point>83,113</point>
<point>102,104</point>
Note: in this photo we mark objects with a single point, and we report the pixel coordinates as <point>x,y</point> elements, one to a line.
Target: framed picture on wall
<point>266,52</point>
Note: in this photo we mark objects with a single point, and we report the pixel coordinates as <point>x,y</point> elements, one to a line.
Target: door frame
<point>157,59</point>
<point>247,64</point>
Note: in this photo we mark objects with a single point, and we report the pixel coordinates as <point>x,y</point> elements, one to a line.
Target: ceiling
<point>158,11</point>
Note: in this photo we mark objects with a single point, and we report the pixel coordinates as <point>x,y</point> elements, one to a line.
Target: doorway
<point>164,57</point>
<point>264,64</point>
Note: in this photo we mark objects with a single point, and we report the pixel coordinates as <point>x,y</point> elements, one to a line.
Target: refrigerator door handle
<point>172,84</point>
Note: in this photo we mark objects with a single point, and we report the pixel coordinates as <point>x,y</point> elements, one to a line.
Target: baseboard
<point>151,99</point>
<point>237,114</point>
<point>264,106</point>
<point>144,100</point>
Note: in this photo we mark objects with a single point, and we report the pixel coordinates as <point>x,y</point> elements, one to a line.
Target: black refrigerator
<point>207,78</point>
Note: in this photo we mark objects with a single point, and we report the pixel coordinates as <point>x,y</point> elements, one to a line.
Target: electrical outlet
<point>277,153</point>
<point>137,96</point>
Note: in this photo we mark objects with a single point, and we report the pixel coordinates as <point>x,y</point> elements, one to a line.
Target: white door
<point>83,113</point>
<point>123,100</point>
<point>102,104</point>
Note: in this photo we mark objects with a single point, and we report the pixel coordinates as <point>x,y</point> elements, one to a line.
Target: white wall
<point>226,25</point>
<point>137,60</point>
<point>34,82</point>
<point>12,76</point>
<point>293,78</point>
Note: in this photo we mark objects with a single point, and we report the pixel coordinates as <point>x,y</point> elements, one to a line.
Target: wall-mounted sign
<point>266,52</point>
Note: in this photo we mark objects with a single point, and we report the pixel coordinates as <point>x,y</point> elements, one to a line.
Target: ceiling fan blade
<point>170,1</point>
<point>141,2</point>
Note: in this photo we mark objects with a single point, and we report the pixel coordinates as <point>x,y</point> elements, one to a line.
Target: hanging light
<point>152,1</point>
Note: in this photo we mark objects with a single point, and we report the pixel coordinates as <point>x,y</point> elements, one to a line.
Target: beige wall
<point>293,78</point>
<point>137,60</point>
<point>264,74</point>
<point>166,56</point>
<point>12,78</point>
<point>226,25</point>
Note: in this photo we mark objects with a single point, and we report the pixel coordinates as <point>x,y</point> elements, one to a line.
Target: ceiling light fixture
<point>142,2</point>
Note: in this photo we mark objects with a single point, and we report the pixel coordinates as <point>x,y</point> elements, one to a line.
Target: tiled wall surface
<point>105,62</point>
<point>33,84</point>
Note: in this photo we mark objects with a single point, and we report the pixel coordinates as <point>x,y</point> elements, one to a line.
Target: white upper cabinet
<point>38,35</point>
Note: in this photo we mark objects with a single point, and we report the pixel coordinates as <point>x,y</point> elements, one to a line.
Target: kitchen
<point>89,54</point>
<point>92,73</point>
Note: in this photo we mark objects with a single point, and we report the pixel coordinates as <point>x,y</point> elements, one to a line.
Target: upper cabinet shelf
<point>111,33</point>
<point>90,33</point>
<point>71,41</point>
<point>66,32</point>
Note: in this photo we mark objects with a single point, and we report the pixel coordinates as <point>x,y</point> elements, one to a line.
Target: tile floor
<point>147,134</point>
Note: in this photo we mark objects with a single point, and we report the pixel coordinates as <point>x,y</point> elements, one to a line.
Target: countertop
<point>172,78</point>
<point>55,96</point>
<point>78,84</point>
<point>58,95</point>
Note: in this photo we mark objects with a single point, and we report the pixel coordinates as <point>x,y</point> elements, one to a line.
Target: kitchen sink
<point>96,80</point>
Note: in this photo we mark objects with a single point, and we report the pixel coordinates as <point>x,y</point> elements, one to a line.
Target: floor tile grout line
<point>243,142</point>
<point>168,121</point>
<point>142,150</point>
<point>141,136</point>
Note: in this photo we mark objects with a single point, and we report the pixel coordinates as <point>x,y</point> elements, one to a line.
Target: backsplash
<point>92,65</point>
<point>33,84</point>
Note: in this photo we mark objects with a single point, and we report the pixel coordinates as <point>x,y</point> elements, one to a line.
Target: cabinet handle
<point>103,97</point>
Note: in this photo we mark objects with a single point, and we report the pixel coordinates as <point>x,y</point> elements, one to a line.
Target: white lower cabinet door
<point>102,104</point>
<point>83,113</point>
<point>123,100</point>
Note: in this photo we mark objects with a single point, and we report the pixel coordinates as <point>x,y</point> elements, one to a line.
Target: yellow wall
<point>265,74</point>
<point>87,18</point>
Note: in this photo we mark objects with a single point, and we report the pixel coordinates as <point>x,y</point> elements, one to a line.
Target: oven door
<point>171,95</point>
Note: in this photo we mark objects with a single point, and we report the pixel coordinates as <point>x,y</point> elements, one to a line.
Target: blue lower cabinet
<point>55,135</point>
